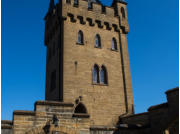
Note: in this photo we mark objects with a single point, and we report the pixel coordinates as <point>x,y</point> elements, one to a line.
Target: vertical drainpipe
<point>123,70</point>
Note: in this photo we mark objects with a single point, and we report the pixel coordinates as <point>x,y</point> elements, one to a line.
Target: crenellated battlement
<point>98,13</point>
<point>93,22</point>
<point>96,8</point>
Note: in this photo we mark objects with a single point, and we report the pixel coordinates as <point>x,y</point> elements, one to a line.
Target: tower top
<point>51,5</point>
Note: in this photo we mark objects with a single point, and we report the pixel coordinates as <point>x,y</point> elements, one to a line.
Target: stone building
<point>87,58</point>
<point>160,119</point>
<point>88,81</point>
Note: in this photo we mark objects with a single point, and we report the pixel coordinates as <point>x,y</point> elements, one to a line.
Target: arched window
<point>97,41</point>
<point>80,108</point>
<point>103,75</point>
<point>114,44</point>
<point>123,13</point>
<point>89,5</point>
<point>80,37</point>
<point>75,2</point>
<point>95,74</point>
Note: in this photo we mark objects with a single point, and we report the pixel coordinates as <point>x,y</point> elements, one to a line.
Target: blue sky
<point>153,43</point>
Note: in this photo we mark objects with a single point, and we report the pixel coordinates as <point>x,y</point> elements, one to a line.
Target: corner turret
<point>51,6</point>
<point>120,10</point>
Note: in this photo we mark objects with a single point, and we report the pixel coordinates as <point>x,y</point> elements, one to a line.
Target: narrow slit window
<point>75,2</point>
<point>89,5</point>
<point>123,13</point>
<point>97,41</point>
<point>114,44</point>
<point>80,37</point>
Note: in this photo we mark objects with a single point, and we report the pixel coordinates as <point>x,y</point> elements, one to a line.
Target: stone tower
<point>87,58</point>
<point>88,82</point>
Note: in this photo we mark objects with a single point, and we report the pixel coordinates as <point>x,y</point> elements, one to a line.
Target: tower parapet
<point>115,14</point>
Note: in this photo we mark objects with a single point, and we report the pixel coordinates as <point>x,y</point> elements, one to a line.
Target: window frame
<point>123,13</point>
<point>105,75</point>
<point>90,5</point>
<point>76,3</point>
<point>98,38</point>
<point>81,42</point>
<point>98,80</point>
<point>99,83</point>
<point>114,43</point>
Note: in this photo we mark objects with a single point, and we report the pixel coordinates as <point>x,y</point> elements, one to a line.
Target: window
<point>114,44</point>
<point>53,80</point>
<point>76,2</point>
<point>95,74</point>
<point>103,9</point>
<point>103,75</point>
<point>97,41</point>
<point>123,12</point>
<point>80,37</point>
<point>80,108</point>
<point>99,76</point>
<point>89,5</point>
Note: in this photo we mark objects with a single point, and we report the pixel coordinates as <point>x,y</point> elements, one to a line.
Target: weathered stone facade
<point>71,63</point>
<point>160,119</point>
<point>75,104</point>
